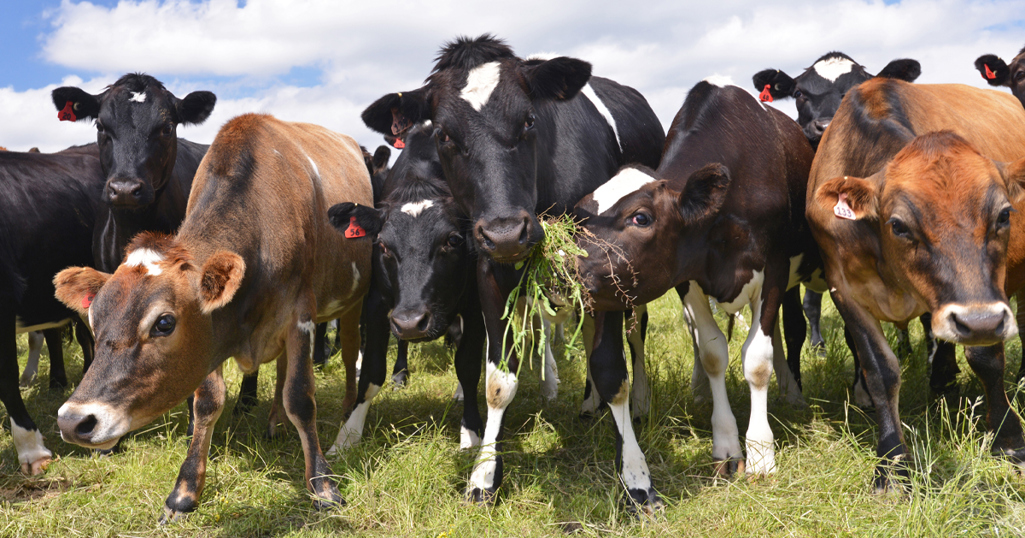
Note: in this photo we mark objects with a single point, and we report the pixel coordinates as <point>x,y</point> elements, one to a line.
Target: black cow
<point>999,73</point>
<point>40,193</point>
<point>517,138</point>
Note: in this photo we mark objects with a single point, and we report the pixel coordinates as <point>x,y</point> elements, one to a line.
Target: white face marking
<point>111,423</point>
<point>720,81</point>
<point>144,257</point>
<point>634,472</point>
<point>138,97</point>
<point>481,81</point>
<point>588,92</point>
<point>831,68</point>
<point>413,209</point>
<point>622,184</point>
<point>29,444</point>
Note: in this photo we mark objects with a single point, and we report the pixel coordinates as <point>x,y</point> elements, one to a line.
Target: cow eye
<point>1019,75</point>
<point>529,123</point>
<point>442,136</point>
<point>640,219</point>
<point>164,325</point>
<point>100,128</point>
<point>899,228</point>
<point>798,94</point>
<point>1004,218</point>
<point>454,240</point>
<point>167,130</point>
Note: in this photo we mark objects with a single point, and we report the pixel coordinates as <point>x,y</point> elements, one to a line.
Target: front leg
<point>637,330</point>
<point>374,368</point>
<point>468,366</point>
<point>208,402</point>
<point>757,356</point>
<point>988,364</point>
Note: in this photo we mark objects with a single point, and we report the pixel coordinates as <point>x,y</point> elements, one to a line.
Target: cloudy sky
<point>324,61</point>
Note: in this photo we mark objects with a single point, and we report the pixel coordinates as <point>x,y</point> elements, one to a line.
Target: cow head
<point>421,253</point>
<point>940,214</point>
<point>998,73</point>
<point>819,90</point>
<point>136,129</point>
<point>637,225</point>
<point>484,104</point>
<point>152,319</point>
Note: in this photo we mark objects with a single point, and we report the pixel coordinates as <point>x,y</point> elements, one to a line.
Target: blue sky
<point>323,61</point>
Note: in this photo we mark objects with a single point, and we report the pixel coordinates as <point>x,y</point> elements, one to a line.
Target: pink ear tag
<point>842,210</point>
<point>354,230</point>
<point>87,301</point>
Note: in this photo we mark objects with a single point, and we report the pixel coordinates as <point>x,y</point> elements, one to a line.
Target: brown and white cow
<point>999,73</point>
<point>911,225</point>
<point>254,266</point>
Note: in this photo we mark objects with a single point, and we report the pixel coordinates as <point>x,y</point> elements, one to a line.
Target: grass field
<point>408,475</point>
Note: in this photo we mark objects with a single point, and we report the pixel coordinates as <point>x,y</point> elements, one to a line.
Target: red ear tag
<point>842,210</point>
<point>765,96</point>
<point>87,301</point>
<point>399,144</point>
<point>989,74</point>
<point>354,230</point>
<point>67,113</point>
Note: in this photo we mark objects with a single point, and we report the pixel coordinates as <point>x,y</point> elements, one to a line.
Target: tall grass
<point>408,475</point>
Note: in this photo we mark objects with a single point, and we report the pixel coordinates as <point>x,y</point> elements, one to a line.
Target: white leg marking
<point>550,383</point>
<point>757,357</point>
<point>352,431</point>
<point>501,388</point>
<point>30,447</point>
<point>635,472</point>
<point>468,438</point>
<point>35,348</point>
<point>784,377</point>
<point>640,394</point>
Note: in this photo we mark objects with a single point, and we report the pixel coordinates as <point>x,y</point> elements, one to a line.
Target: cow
<point>910,222</point>
<point>254,266</point>
<point>722,218</point>
<point>999,73</point>
<point>41,193</point>
<point>517,138</point>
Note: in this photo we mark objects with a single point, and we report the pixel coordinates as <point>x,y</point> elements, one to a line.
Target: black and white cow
<point>40,193</point>
<point>517,138</point>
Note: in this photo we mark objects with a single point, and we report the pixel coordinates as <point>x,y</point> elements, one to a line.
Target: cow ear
<point>558,79</point>
<point>994,70</point>
<point>196,107</point>
<point>1014,175</point>
<point>704,194</point>
<point>381,157</point>
<point>781,86</point>
<point>395,113</point>
<point>852,198</point>
<point>367,218</point>
<point>76,287</point>
<point>220,278</point>
<point>904,69</point>
<point>83,105</point>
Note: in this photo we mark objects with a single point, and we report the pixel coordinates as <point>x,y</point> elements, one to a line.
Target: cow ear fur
<point>84,104</point>
<point>381,157</point>
<point>196,107</point>
<point>704,193</point>
<point>861,195</point>
<point>394,113</point>
<point>76,287</point>
<point>997,66</point>
<point>368,218</point>
<point>558,79</point>
<point>1014,175</point>
<point>781,86</point>
<point>220,278</point>
<point>904,69</point>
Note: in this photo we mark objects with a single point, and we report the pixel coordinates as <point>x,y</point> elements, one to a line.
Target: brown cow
<point>255,264</point>
<point>926,233</point>
<point>999,73</point>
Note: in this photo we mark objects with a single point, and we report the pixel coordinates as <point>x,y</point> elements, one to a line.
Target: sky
<point>324,61</point>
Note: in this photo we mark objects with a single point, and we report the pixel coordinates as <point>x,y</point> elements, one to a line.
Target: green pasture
<point>408,475</point>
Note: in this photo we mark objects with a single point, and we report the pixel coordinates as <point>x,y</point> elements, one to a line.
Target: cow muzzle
<point>984,324</point>
<point>411,324</point>
<point>92,425</point>
<point>128,193</point>
<point>507,239</point>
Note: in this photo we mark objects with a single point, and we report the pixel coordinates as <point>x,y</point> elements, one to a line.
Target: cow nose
<point>411,325</point>
<point>77,428</point>
<point>819,126</point>
<point>124,191</point>
<point>979,324</point>
<point>505,238</point>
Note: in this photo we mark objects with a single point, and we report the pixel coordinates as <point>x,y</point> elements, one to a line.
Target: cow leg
<point>468,365</point>
<point>550,375</point>
<point>85,340</point>
<point>375,365</point>
<point>32,454</point>
<point>713,353</point>
<point>208,402</point>
<point>592,401</point>
<point>813,309</point>
<point>247,394</point>
<point>320,351</point>
<point>795,327</point>
<point>757,355</point>
<point>858,388</point>
<point>789,387</point>
<point>400,372</point>
<point>55,343</point>
<point>943,358</point>
<point>882,379</point>
<point>988,364</point>
<point>300,405</point>
<point>277,409</point>
<point>903,348</point>
<point>35,349</point>
<point>1020,318</point>
<point>640,394</point>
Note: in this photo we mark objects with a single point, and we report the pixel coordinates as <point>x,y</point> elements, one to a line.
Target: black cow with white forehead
<point>820,88</point>
<point>517,138</point>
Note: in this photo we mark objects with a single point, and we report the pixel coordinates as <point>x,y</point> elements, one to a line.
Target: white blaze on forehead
<point>831,68</point>
<point>481,81</point>
<point>414,209</point>
<point>622,184</point>
<point>720,81</point>
<point>138,97</point>
<point>144,257</point>
<point>588,92</point>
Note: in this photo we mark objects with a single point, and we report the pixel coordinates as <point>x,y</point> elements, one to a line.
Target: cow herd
<point>901,200</point>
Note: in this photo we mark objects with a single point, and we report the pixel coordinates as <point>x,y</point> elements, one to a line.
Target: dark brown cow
<point>999,73</point>
<point>254,266</point>
<point>926,233</point>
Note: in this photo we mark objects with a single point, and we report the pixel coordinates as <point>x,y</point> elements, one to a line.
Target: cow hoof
<point>819,348</point>
<point>729,467</point>
<point>399,379</point>
<point>329,499</point>
<point>1014,455</point>
<point>36,467</point>
<point>481,497</point>
<point>643,502</point>
<point>178,509</point>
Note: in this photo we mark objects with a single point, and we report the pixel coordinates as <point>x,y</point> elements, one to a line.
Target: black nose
<point>819,126</point>
<point>977,324</point>
<point>506,238</point>
<point>76,428</point>
<point>411,325</point>
<point>124,192</point>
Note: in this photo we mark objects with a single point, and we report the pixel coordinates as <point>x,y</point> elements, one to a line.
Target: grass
<point>407,476</point>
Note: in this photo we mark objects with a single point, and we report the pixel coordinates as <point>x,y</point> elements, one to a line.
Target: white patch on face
<point>481,81</point>
<point>795,264</point>
<point>413,209</point>
<point>111,423</point>
<point>352,431</point>
<point>622,184</point>
<point>751,291</point>
<point>138,97</point>
<point>831,68</point>
<point>355,277</point>
<point>588,92</point>
<point>720,81</point>
<point>144,257</point>
<point>29,444</point>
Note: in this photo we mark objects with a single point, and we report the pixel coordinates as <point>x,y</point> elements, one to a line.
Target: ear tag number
<point>989,74</point>
<point>842,210</point>
<point>67,113</point>
<point>87,301</point>
<point>765,96</point>
<point>354,230</point>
